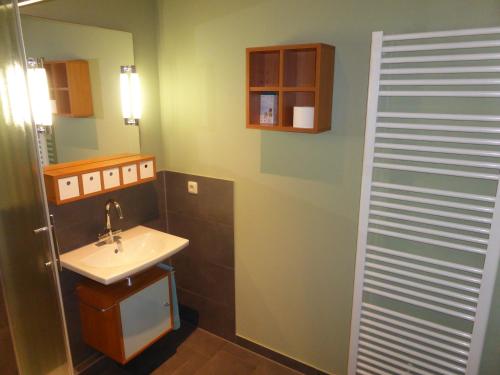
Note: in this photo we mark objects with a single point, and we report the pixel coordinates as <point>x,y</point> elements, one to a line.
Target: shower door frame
<point>52,264</point>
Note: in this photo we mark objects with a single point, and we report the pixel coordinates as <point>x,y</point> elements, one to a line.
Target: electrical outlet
<point>192,187</point>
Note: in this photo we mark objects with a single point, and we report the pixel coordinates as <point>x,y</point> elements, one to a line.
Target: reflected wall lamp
<point>130,94</point>
<point>38,87</point>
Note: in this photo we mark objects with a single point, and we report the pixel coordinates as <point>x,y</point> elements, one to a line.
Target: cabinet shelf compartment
<point>299,67</point>
<point>293,99</point>
<point>254,108</point>
<point>62,102</point>
<point>59,75</point>
<point>264,68</point>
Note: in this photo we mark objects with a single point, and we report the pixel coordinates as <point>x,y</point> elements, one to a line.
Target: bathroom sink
<point>138,249</point>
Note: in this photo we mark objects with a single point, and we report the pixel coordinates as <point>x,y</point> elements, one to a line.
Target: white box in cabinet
<point>111,178</point>
<point>146,169</point>
<point>145,316</point>
<point>91,182</point>
<point>129,174</point>
<point>68,187</point>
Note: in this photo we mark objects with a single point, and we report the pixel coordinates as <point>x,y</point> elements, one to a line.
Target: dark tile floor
<point>196,352</point>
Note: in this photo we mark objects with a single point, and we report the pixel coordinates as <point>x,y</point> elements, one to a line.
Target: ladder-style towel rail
<point>436,138</point>
<point>455,94</point>
<point>446,274</point>
<point>441,150</point>
<point>431,201</point>
<point>383,360</point>
<point>441,58</point>
<point>429,211</point>
<point>438,127</point>
<point>439,116</point>
<point>409,343</point>
<point>422,230</point>
<point>426,359</point>
<point>429,226</point>
<point>425,159</point>
<point>418,322</point>
<point>416,337</point>
<point>438,300</point>
<point>416,302</point>
<point>433,261</point>
<point>439,82</point>
<point>416,285</point>
<point>442,70</point>
<point>442,46</point>
<point>418,276</point>
<point>430,241</point>
<point>420,220</point>
<point>444,193</point>
<point>423,334</point>
<point>442,34</point>
<point>374,370</point>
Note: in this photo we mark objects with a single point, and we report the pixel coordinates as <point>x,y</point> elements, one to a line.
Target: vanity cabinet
<point>68,182</point>
<point>120,320</point>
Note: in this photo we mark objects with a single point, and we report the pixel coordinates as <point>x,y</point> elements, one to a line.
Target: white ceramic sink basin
<point>139,248</point>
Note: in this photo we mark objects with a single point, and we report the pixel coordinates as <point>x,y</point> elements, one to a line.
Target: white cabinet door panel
<point>68,187</point>
<point>129,173</point>
<point>146,169</point>
<point>111,178</point>
<point>91,182</point>
<point>145,316</point>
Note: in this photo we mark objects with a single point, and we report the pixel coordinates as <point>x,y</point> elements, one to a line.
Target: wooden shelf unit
<point>73,181</point>
<point>300,75</point>
<point>69,86</point>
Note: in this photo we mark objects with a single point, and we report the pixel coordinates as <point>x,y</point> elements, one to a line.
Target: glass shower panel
<point>29,277</point>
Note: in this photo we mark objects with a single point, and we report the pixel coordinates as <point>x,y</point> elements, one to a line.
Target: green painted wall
<point>105,50</point>
<point>138,17</point>
<point>297,196</point>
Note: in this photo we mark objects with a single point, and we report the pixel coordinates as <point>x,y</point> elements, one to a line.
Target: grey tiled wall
<point>205,269</point>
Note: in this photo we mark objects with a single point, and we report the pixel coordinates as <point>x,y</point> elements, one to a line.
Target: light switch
<point>192,187</point>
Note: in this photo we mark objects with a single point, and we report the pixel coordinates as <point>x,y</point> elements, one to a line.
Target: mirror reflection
<point>83,74</point>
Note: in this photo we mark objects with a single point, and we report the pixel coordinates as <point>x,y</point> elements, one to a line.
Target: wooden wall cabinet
<point>69,182</point>
<point>299,75</point>
<point>69,86</point>
<point>121,321</point>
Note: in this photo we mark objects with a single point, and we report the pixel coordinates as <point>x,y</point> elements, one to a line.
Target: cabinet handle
<point>166,304</point>
<point>91,178</point>
<point>56,243</point>
<point>68,183</point>
<point>40,230</point>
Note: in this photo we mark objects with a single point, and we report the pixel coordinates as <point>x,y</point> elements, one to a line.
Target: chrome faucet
<point>110,235</point>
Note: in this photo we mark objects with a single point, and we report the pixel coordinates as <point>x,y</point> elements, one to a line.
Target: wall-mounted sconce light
<point>130,94</point>
<point>39,93</point>
<point>14,95</point>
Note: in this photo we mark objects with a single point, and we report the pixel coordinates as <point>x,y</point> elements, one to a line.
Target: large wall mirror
<point>65,48</point>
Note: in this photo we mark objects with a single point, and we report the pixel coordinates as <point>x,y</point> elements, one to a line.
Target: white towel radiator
<point>429,225</point>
